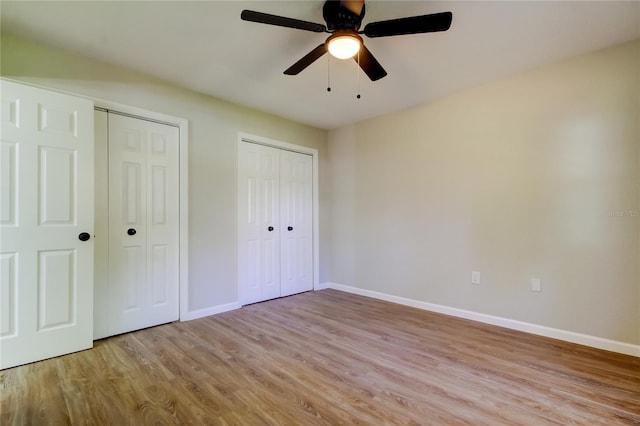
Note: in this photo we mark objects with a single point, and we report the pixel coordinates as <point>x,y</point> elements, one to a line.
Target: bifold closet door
<point>259,223</point>
<point>296,230</point>
<point>275,223</point>
<point>46,224</point>
<point>143,224</point>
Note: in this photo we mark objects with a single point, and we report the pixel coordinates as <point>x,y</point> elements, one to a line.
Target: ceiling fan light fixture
<point>344,45</point>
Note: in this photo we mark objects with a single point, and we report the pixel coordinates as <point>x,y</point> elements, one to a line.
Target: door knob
<point>289,228</point>
<point>131,231</point>
<point>84,236</point>
<point>270,228</point>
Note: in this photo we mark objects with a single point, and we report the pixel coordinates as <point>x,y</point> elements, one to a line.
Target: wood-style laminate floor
<point>326,357</point>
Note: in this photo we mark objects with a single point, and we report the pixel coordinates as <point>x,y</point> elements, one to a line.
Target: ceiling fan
<point>343,18</point>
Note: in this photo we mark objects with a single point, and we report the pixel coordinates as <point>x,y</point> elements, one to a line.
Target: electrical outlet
<point>475,277</point>
<point>535,284</point>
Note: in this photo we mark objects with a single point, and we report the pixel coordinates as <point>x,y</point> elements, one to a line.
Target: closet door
<point>143,224</point>
<point>46,224</point>
<point>296,259</point>
<point>275,256</point>
<point>259,223</point>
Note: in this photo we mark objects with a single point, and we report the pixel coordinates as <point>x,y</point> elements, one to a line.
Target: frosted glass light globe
<point>344,46</point>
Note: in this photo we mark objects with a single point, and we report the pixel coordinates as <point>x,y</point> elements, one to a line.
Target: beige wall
<point>532,176</point>
<point>537,175</point>
<point>213,131</point>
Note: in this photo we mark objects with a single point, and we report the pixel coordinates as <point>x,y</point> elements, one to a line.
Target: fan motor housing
<point>338,17</point>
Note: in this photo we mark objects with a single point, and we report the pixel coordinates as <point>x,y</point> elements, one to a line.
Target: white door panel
<point>296,222</point>
<point>143,224</point>
<point>259,191</point>
<point>249,236</point>
<point>269,206</point>
<point>46,280</point>
<point>162,223</point>
<point>275,223</point>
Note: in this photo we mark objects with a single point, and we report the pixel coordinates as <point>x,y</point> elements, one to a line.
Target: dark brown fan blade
<point>281,21</point>
<point>369,64</point>
<point>307,60</point>
<point>412,25</point>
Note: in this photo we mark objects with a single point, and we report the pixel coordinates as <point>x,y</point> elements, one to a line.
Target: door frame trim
<point>183,134</point>
<point>259,140</point>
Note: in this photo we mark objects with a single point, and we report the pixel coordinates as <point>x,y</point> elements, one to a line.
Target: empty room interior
<point>212,214</point>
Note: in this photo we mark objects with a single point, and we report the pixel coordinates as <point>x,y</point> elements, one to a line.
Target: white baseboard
<point>191,315</point>
<point>568,336</point>
<point>321,286</point>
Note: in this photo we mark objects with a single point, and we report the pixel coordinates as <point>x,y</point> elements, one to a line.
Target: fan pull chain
<point>358,72</point>
<point>328,73</point>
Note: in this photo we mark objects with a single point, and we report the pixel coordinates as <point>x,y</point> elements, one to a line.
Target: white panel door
<point>269,222</point>
<point>259,223</point>
<point>143,224</point>
<point>46,271</point>
<point>296,230</point>
<point>249,235</point>
<point>275,226</point>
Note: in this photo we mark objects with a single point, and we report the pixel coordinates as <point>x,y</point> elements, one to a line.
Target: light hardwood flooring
<point>326,357</point>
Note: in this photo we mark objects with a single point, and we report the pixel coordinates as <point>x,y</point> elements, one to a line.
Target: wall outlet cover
<point>536,284</point>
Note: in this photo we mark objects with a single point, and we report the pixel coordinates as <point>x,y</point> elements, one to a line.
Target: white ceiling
<point>204,46</point>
